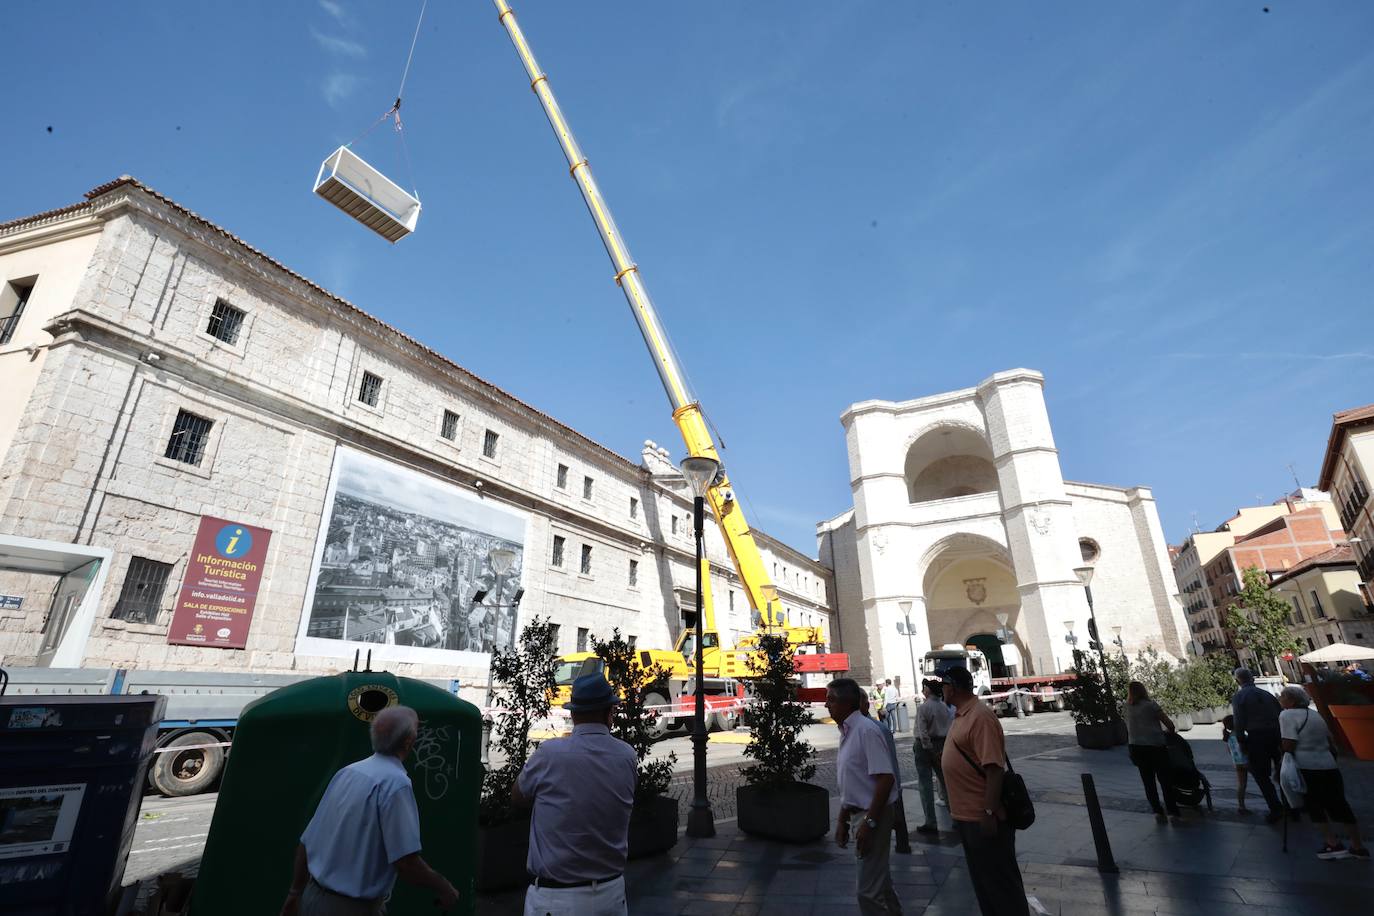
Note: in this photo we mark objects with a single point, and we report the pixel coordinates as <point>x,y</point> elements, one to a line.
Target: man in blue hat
<point>581,788</point>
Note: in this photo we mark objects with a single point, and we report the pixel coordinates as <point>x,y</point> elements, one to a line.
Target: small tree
<point>776,720</point>
<point>1161,680</point>
<point>1220,677</point>
<point>525,678</point>
<point>632,722</point>
<point>1089,701</point>
<point>1260,619</point>
<point>1119,670</point>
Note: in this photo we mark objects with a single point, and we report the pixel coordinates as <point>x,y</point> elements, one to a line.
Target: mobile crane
<point>759,589</point>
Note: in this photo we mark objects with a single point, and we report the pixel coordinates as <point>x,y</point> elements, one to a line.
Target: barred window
<point>634,507</point>
<point>634,572</point>
<point>586,488</point>
<point>15,296</point>
<point>581,639</point>
<point>370,389</point>
<point>586,559</point>
<point>558,542</point>
<point>632,640</point>
<point>562,477</point>
<point>225,322</point>
<point>189,436</point>
<point>141,597</point>
<point>448,427</point>
<point>489,443</point>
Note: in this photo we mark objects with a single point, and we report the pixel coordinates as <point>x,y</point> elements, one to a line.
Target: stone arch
<point>948,460</point>
<point>967,580</point>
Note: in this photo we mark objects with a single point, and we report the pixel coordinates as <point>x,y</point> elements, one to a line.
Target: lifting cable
<point>394,112</point>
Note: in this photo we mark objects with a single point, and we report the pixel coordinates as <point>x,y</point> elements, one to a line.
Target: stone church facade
<point>960,508</point>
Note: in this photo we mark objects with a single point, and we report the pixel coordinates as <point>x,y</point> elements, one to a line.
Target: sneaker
<point>941,802</point>
<point>1361,853</point>
<point>929,829</point>
<point>1333,852</point>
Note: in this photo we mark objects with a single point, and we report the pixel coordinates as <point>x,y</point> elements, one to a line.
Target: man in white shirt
<point>582,789</point>
<point>365,831</point>
<point>932,725</point>
<point>889,698</point>
<point>868,791</point>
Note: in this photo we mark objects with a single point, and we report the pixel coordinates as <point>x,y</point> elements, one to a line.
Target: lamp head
<point>700,471</point>
<point>501,560</point>
<point>1002,619</point>
<point>905,607</point>
<point>1084,574</point>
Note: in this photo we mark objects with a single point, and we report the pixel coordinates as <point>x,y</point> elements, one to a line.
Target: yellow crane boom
<point>739,539</point>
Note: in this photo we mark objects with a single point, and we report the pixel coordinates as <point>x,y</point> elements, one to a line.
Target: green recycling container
<point>287,747</point>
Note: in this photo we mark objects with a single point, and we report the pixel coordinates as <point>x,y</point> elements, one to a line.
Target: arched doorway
<point>970,594</point>
<point>990,646</point>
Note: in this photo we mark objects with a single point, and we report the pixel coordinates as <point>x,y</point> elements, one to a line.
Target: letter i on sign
<point>233,542</point>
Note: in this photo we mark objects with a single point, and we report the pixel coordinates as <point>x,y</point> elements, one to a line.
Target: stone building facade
<point>125,334</point>
<point>961,510</point>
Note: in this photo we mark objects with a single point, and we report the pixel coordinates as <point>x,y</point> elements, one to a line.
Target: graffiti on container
<point>436,759</point>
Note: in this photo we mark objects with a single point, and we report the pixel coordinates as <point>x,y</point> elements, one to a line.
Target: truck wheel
<point>659,726</point>
<point>186,772</point>
<point>723,721</point>
<point>1059,704</point>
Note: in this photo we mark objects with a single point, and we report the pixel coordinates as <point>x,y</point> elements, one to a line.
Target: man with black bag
<point>975,763</point>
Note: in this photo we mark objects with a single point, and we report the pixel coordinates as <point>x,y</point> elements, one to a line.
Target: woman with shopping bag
<point>1307,749</point>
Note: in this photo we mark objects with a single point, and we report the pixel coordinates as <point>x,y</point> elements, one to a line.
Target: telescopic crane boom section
<point>687,413</point>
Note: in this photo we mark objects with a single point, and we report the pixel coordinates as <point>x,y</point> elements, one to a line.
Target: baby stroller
<point>1191,788</point>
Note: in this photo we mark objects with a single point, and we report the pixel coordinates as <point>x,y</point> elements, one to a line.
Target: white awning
<point>1338,652</point>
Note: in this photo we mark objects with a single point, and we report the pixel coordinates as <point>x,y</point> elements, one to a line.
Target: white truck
<point>953,655</point>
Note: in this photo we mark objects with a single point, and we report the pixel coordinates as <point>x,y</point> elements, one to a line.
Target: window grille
<point>9,320</point>
<point>225,322</point>
<point>586,488</point>
<point>370,389</point>
<point>448,428</point>
<point>634,572</point>
<point>140,599</point>
<point>489,443</point>
<point>634,507</point>
<point>581,639</point>
<point>562,477</point>
<point>586,559</point>
<point>189,436</point>
<point>558,542</point>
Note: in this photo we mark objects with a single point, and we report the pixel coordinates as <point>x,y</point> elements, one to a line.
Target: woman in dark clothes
<point>1146,724</point>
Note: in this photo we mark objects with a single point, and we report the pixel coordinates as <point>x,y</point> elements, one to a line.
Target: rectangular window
<point>586,488</point>
<point>586,559</point>
<point>370,389</point>
<point>634,507</point>
<point>632,639</point>
<point>553,628</point>
<point>581,639</point>
<point>448,427</point>
<point>1317,610</point>
<point>225,322</point>
<point>562,477</point>
<point>15,296</point>
<point>1297,610</point>
<point>558,542</point>
<point>189,436</point>
<point>1330,640</point>
<point>489,443</point>
<point>634,572</point>
<point>732,600</point>
<point>674,524</point>
<point>141,597</point>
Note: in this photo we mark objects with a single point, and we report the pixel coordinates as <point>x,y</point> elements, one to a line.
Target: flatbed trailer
<point>1036,693</point>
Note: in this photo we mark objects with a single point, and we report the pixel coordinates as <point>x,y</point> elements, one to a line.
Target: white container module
<point>356,188</point>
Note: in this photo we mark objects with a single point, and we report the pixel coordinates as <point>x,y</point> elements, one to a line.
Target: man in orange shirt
<point>974,762</point>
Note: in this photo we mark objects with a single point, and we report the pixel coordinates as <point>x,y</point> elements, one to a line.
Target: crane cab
<point>349,183</point>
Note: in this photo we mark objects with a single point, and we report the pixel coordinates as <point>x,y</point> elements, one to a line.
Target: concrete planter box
<point>1204,716</point>
<point>1096,737</point>
<point>1183,721</point>
<point>501,853</point>
<point>653,827</point>
<point>794,813</point>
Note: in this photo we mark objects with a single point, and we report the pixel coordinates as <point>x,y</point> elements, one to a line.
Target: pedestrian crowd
<point>365,832</point>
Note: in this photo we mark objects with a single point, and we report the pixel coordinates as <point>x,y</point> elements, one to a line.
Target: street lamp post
<point>501,561</point>
<point>700,472</point>
<point>915,675</point>
<point>1085,577</point>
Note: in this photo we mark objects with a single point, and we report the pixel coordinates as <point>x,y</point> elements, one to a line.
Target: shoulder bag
<point>1015,796</point>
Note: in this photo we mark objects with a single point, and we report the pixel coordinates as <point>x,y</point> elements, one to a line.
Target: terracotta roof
<point>1340,423</point>
<point>1341,555</point>
<point>128,180</point>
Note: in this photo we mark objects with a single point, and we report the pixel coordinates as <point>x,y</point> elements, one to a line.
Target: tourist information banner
<point>215,607</point>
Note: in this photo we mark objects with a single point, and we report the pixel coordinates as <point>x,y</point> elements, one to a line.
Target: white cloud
<point>338,87</point>
<point>336,10</point>
<point>336,45</point>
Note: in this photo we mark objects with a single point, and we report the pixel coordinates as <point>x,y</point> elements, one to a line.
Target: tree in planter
<point>1119,670</point>
<point>1089,702</point>
<point>525,678</point>
<point>1161,680</point>
<point>1260,619</point>
<point>1221,678</point>
<point>776,720</point>
<point>631,721</point>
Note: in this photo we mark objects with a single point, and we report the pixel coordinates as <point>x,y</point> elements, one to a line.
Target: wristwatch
<point>870,823</point>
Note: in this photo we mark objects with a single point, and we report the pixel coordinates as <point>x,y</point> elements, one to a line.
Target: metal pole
<point>1105,861</point>
<point>486,715</point>
<point>915,676</point>
<point>700,821</point>
<point>1101,653</point>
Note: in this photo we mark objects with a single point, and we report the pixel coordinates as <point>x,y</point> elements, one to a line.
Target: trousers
<point>604,899</point>
<point>992,868</point>
<point>1263,751</point>
<point>316,901</point>
<point>1153,763</point>
<point>873,877</point>
<point>927,766</point>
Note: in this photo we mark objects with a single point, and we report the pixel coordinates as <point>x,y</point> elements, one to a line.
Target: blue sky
<point>1168,208</point>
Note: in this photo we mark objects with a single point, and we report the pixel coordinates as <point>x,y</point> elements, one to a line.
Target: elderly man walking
<point>582,788</point>
<point>366,831</point>
<point>1255,714</point>
<point>974,762</point>
<point>868,792</point>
